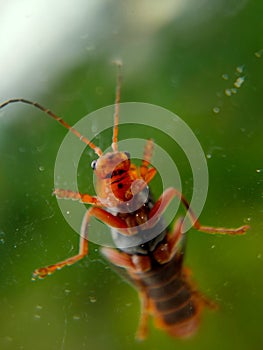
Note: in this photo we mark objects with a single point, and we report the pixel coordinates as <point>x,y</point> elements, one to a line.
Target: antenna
<point>82,138</point>
<point>117,107</point>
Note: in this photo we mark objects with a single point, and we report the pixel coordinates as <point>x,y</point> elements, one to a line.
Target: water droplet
<point>259,170</point>
<point>228,92</point>
<point>208,156</point>
<point>7,339</point>
<point>2,239</point>
<point>92,299</point>
<point>259,53</point>
<point>240,69</point>
<point>216,110</point>
<point>239,82</point>
<point>41,168</point>
<point>213,246</point>
<point>76,317</point>
<point>225,76</point>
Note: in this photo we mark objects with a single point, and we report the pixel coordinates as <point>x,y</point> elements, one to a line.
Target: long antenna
<point>114,144</point>
<point>82,138</point>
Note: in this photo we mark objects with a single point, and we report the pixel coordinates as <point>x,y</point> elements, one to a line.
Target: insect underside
<point>150,256</point>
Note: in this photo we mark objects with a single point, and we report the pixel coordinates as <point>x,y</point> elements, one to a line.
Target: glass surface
<point>203,62</point>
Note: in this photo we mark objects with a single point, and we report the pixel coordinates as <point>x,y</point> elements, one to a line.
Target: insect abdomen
<point>173,303</point>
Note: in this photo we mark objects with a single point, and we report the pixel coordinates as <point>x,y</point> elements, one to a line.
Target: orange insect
<point>154,266</point>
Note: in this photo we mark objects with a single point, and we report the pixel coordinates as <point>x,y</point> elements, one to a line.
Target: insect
<point>155,265</point>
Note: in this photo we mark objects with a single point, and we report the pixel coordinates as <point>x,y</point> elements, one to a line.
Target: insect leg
<point>202,298</point>
<point>166,251</point>
<point>83,250</point>
<point>165,199</point>
<point>147,155</point>
<point>133,263</point>
<point>82,197</point>
<point>98,213</point>
<point>118,258</point>
<point>147,173</point>
<point>142,330</point>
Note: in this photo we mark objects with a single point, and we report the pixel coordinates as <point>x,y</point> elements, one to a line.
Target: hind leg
<point>142,331</point>
<point>165,199</point>
<point>166,251</point>
<point>133,264</point>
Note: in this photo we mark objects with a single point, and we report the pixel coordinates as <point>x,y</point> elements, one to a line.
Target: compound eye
<point>93,164</point>
<point>128,155</point>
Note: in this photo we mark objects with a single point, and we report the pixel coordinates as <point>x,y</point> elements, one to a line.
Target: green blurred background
<point>202,60</point>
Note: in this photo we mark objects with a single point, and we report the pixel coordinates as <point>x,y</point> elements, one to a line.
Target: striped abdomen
<point>173,303</point>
